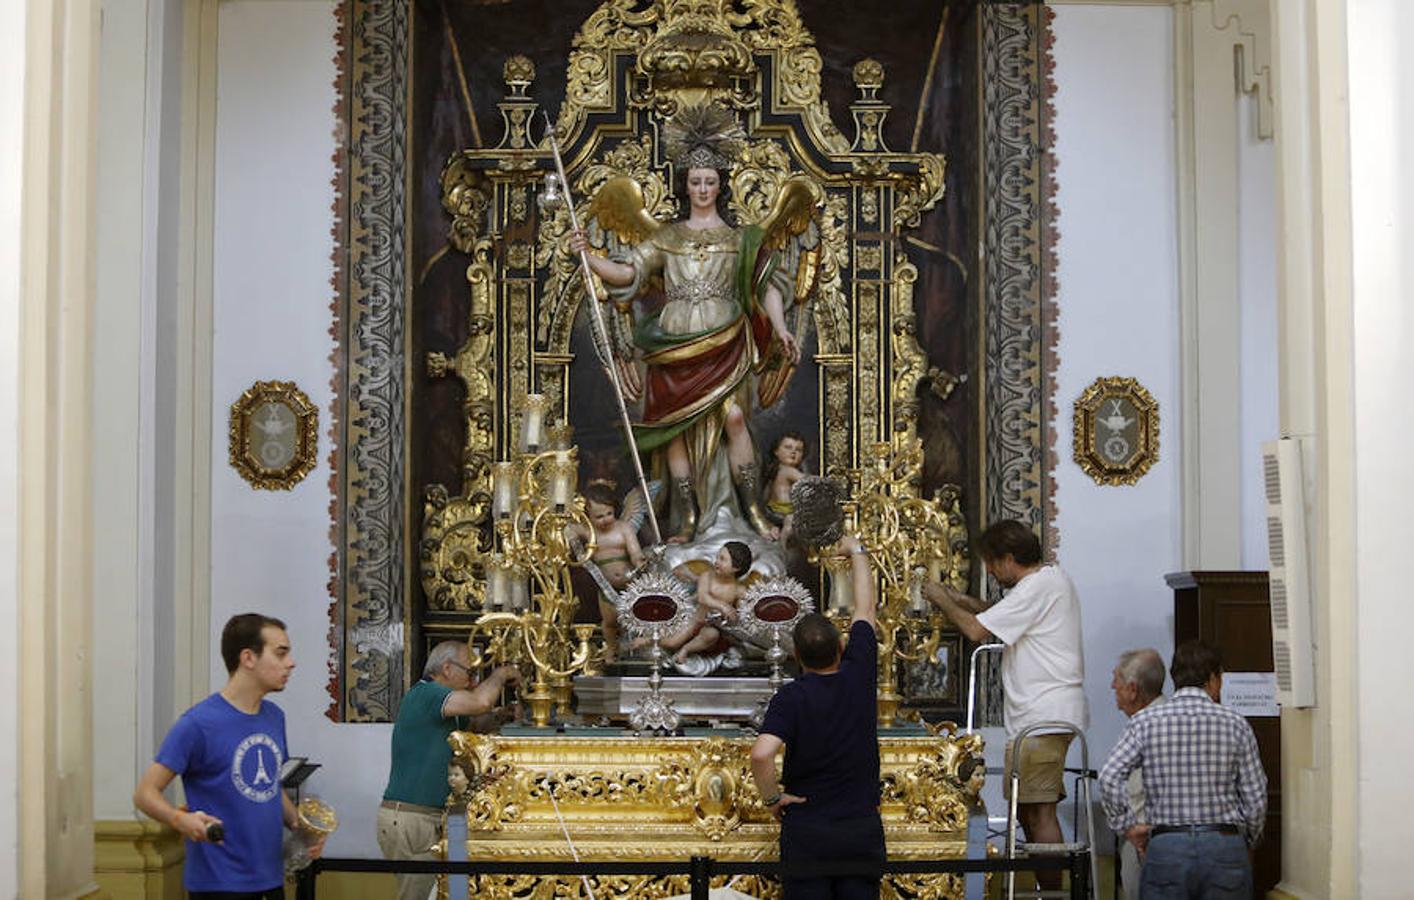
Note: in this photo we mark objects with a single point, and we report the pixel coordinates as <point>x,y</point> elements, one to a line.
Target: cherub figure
<point>718,590</point>
<point>783,470</point>
<point>616,553</point>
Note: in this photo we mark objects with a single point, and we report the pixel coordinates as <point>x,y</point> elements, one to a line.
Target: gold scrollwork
<point>923,193</point>
<point>452,543</point>
<point>699,797</point>
<point>910,362</point>
<point>760,170</point>
<point>466,195</point>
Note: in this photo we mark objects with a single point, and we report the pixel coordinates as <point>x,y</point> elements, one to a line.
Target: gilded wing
<point>792,211</point>
<point>618,206</point>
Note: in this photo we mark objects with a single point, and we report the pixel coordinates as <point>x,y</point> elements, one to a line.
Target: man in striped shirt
<point>1207,794</point>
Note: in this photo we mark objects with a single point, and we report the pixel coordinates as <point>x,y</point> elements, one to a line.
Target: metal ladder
<point>1006,826</point>
<point>1083,801</point>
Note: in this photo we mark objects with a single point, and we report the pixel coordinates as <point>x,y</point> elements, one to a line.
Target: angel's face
<point>789,451</point>
<point>703,185</point>
<point>600,514</point>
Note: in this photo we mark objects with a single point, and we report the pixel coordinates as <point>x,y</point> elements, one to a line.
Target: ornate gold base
<point>622,798</point>
<point>137,860</point>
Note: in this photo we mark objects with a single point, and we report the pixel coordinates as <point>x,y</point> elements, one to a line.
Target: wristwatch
<point>772,800</point>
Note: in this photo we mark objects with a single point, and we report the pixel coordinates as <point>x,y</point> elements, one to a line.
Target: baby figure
<point>616,553</point>
<point>718,590</point>
<point>783,470</point>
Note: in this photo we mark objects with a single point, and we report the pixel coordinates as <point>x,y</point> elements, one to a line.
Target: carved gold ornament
<point>1116,431</point>
<point>274,435</point>
<point>696,797</point>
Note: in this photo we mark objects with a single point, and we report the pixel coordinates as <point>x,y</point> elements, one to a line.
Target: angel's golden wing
<point>791,212</point>
<point>619,207</point>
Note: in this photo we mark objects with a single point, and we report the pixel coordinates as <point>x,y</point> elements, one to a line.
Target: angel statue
<point>726,287</point>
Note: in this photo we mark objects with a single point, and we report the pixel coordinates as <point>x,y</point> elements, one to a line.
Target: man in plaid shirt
<point>1207,793</point>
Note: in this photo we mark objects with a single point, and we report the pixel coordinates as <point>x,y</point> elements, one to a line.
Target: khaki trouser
<point>409,834</point>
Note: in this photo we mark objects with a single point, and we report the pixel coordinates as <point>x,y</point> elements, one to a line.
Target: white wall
<point>12,88</point>
<point>1257,287</point>
<point>1119,301</point>
<point>270,549</point>
<point>1382,194</point>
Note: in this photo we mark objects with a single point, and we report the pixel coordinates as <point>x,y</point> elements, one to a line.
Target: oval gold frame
<point>246,444</point>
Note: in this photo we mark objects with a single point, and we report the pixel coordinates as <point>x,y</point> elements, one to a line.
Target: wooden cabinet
<point>1230,610</point>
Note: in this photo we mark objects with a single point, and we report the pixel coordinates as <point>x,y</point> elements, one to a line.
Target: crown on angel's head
<point>703,137</point>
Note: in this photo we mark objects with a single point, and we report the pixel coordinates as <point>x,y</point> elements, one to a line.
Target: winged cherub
<point>726,287</point>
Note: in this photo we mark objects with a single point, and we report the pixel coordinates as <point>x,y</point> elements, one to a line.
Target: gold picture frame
<point>274,435</point>
<point>1116,431</point>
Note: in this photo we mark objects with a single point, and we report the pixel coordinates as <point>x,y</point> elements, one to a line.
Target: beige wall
<point>54,499</point>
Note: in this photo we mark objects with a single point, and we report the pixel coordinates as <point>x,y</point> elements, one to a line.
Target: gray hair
<point>1144,669</point>
<point>443,653</point>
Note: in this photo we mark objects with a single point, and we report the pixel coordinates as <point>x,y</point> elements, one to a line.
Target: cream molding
<point>1253,51</point>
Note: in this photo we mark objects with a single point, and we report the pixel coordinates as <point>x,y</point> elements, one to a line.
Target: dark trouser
<point>832,840</point>
<point>275,893</point>
<point>1203,865</point>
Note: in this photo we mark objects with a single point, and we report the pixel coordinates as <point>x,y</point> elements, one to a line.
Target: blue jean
<point>1201,865</point>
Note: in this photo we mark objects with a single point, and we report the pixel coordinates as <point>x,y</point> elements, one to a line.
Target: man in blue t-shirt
<point>827,720</point>
<point>228,749</point>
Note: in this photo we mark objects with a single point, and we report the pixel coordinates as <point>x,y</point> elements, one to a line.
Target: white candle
<point>532,423</point>
<point>917,604</point>
<point>520,592</point>
<point>497,589</point>
<point>562,480</point>
<point>503,489</point>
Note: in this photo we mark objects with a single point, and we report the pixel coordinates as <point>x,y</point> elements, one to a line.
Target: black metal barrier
<point>701,869</point>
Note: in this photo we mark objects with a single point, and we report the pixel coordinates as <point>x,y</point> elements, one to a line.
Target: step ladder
<point>1005,826</point>
<point>1083,800</point>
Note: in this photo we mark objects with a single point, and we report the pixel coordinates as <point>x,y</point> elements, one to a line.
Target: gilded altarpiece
<point>924,124</point>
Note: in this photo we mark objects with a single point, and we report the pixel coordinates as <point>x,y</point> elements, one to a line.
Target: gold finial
<point>868,75</point>
<point>518,72</point>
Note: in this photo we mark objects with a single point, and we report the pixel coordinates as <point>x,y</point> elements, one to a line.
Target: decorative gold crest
<point>274,435</point>
<point>1116,431</point>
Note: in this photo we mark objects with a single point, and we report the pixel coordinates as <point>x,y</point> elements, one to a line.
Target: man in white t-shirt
<point>1043,665</point>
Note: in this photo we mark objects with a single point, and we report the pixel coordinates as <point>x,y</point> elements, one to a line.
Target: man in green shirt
<point>445,700</point>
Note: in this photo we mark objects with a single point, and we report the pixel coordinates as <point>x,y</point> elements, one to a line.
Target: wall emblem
<point>1116,431</point>
<point>274,435</point>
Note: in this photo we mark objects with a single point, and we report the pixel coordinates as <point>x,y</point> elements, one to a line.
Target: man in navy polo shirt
<point>827,720</point>
<point>228,749</point>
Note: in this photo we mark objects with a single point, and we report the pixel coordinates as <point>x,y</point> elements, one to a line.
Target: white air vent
<point>1289,576</point>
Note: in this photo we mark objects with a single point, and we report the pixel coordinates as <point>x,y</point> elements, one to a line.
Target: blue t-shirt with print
<point>229,762</point>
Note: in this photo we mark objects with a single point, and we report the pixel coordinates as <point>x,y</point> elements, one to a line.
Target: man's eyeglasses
<point>470,672</point>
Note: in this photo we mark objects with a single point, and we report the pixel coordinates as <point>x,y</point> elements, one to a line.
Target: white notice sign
<point>1251,693</point>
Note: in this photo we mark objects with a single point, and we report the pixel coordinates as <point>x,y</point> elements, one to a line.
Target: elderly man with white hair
<point>447,699</point>
<point>1138,683</point>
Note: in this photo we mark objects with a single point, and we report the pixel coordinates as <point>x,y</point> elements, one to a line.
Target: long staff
<point>597,317</point>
